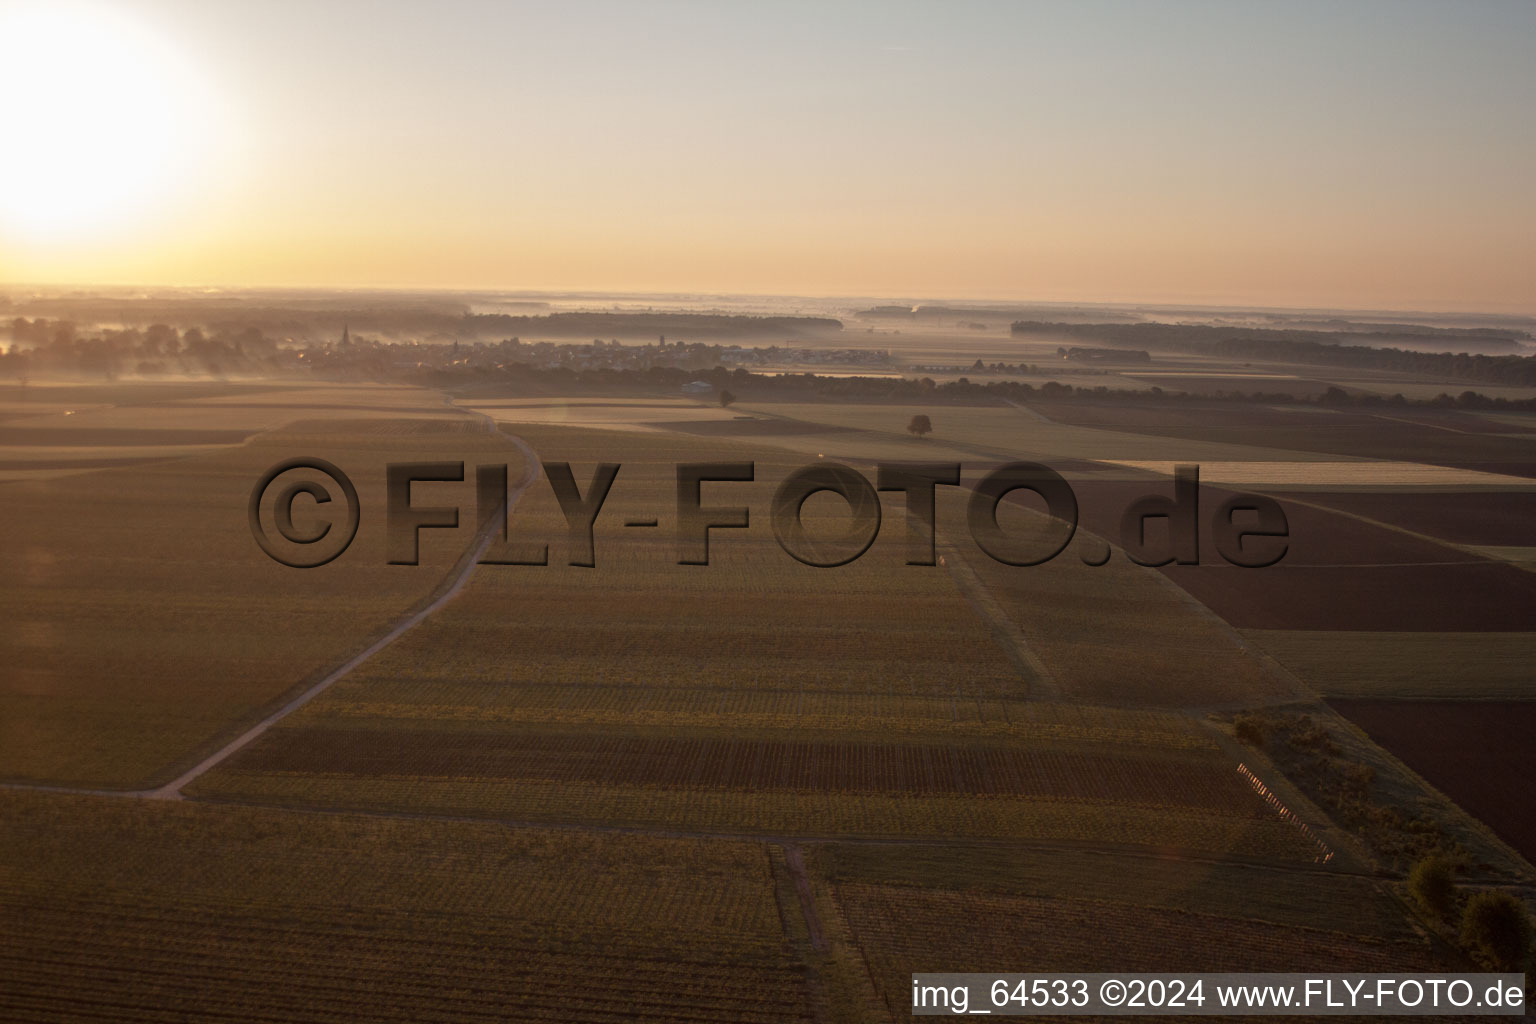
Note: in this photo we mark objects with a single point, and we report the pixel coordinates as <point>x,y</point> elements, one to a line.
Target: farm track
<point>1041,685</point>
<point>795,859</point>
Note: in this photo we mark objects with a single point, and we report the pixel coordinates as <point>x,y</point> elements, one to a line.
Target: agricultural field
<point>652,415</point>
<point>1003,432</point>
<point>752,790</point>
<point>722,699</point>
<point>1342,570</point>
<point>1441,439</point>
<point>1213,382</point>
<point>1484,518</point>
<point>138,626</point>
<point>1425,665</point>
<point>48,430</point>
<point>898,929</point>
<point>1477,751</point>
<point>260,914</point>
<point>974,538</point>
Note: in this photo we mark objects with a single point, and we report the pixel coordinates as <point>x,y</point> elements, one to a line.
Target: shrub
<point>1495,924</point>
<point>1433,884</point>
<point>920,425</point>
<point>1308,735</point>
<point>1249,730</point>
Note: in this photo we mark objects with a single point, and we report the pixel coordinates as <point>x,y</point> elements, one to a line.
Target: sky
<point>1366,154</point>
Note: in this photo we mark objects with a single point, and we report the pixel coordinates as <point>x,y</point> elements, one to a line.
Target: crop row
<point>1047,772</point>
<point>899,928</point>
<point>778,813</point>
<point>145,960</point>
<point>747,708</point>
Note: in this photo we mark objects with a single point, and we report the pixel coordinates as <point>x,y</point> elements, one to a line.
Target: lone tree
<point>1433,884</point>
<point>1495,924</point>
<point>920,425</point>
<point>726,398</point>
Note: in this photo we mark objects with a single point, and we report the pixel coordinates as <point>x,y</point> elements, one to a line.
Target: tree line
<point>1318,347</point>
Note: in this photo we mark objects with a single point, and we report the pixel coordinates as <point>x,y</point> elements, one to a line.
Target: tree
<point>1495,924</point>
<point>1433,884</point>
<point>920,425</point>
<point>726,398</point>
<point>1250,730</point>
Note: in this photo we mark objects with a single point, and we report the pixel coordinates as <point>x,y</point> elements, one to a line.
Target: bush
<point>1495,924</point>
<point>1433,884</point>
<point>1249,730</point>
<point>1306,734</point>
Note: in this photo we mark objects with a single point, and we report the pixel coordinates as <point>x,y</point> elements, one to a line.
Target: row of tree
<point>887,389</point>
<point>42,346</point>
<point>1360,350</point>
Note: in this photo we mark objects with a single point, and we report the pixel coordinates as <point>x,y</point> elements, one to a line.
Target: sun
<point>102,121</point>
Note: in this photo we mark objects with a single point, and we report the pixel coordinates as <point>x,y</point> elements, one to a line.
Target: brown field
<point>1471,597</point>
<point>1318,537</point>
<point>1339,573</point>
<point>113,437</point>
<point>752,791</point>
<point>252,913</point>
<point>903,930</point>
<point>1343,432</point>
<point>700,698</point>
<point>1198,780</point>
<point>1301,898</point>
<point>1119,633</point>
<point>1211,383</point>
<point>138,628</point>
<point>972,433</point>
<point>1462,517</point>
<point>1340,663</point>
<point>400,625</point>
<point>1468,422</point>
<point>1478,752</point>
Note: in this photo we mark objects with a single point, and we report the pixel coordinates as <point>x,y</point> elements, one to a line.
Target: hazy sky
<point>1357,154</point>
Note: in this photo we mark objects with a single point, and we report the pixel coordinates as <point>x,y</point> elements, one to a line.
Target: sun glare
<point>102,120</point>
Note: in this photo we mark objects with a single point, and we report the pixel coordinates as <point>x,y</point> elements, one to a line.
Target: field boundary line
<point>1467,549</point>
<point>794,859</point>
<point>1037,843</point>
<point>1038,416</point>
<point>1432,426</point>
<point>1299,690</point>
<point>1042,685</point>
